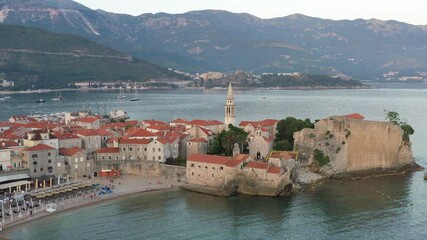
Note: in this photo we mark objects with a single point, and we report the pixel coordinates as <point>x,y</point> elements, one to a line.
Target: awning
<point>13,184</point>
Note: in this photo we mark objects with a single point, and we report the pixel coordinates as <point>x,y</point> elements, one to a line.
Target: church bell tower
<point>230,108</point>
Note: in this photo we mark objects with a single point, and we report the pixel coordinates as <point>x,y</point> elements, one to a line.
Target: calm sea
<point>382,208</point>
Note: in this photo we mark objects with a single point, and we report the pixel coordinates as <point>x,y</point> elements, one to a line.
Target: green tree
<point>394,117</point>
<point>223,144</point>
<point>285,132</point>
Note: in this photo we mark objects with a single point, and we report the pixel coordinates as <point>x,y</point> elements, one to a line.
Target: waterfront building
<point>107,154</point>
<point>11,155</point>
<point>21,119</point>
<point>212,170</point>
<point>76,161</point>
<point>230,108</point>
<point>42,160</point>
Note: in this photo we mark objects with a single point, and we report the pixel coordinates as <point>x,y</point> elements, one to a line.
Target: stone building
<point>76,160</point>
<point>354,145</point>
<point>197,145</point>
<point>259,145</point>
<point>68,140</point>
<point>107,154</point>
<point>42,160</point>
<point>91,140</point>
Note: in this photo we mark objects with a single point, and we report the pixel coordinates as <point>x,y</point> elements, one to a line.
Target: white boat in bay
<point>135,97</point>
<point>121,96</point>
<point>58,98</point>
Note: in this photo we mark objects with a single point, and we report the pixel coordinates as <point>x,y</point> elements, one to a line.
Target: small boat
<point>2,99</point>
<point>58,98</point>
<point>7,97</point>
<point>41,100</point>
<point>135,98</point>
<point>121,96</point>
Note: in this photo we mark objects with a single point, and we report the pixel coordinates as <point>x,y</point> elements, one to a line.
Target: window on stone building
<point>221,168</point>
<point>160,158</point>
<point>192,174</point>
<point>49,160</point>
<point>41,169</point>
<point>199,166</point>
<point>49,154</point>
<point>145,149</point>
<point>102,157</point>
<point>34,156</point>
<point>109,157</point>
<point>35,170</point>
<point>160,150</point>
<point>130,149</point>
<point>206,167</point>
<point>117,157</point>
<point>50,169</point>
<point>213,168</point>
<point>35,163</point>
<point>154,149</point>
<point>124,149</point>
<point>154,158</point>
<point>213,175</point>
<point>192,165</point>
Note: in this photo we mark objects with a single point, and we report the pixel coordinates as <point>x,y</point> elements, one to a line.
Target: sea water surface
<point>381,208</point>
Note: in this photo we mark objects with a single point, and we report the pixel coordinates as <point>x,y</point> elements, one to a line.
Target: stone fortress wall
<point>355,146</point>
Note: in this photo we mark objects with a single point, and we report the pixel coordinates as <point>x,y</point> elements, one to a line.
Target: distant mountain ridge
<point>41,59</point>
<point>213,40</point>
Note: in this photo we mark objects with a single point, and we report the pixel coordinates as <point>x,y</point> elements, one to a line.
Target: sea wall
<point>356,146</point>
<point>144,168</point>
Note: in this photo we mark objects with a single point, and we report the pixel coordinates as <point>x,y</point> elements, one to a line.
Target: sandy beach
<point>125,186</point>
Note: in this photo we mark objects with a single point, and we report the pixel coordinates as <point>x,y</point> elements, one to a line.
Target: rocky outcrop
<point>355,147</point>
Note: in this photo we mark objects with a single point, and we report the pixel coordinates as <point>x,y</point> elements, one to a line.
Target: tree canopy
<point>223,143</point>
<point>285,132</point>
<point>394,117</point>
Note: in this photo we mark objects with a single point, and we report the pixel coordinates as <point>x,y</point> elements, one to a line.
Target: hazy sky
<point>410,11</point>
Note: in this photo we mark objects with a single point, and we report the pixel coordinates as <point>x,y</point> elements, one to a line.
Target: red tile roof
<point>40,147</point>
<point>4,124</point>
<point>274,170</point>
<point>8,144</point>
<point>257,164</point>
<point>70,151</point>
<point>90,119</point>
<point>235,161</point>
<point>197,140</point>
<point>41,125</point>
<point>204,158</point>
<point>165,140</point>
<point>180,120</point>
<point>65,135</point>
<point>262,123</point>
<point>139,132</point>
<point>354,116</point>
<point>108,150</point>
<point>199,122</point>
<point>87,132</point>
<point>134,141</point>
<point>269,140</point>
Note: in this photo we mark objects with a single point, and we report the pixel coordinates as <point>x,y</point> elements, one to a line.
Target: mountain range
<point>213,40</point>
<point>33,57</point>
